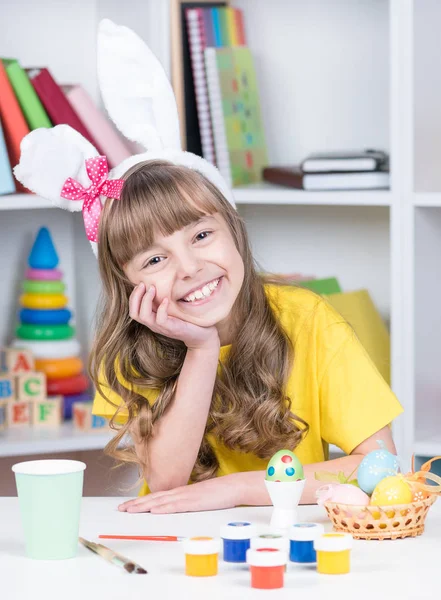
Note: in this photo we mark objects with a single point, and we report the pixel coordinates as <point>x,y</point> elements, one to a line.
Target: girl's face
<point>198,269</point>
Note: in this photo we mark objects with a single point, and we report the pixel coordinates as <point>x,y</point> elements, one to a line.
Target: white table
<point>403,569</point>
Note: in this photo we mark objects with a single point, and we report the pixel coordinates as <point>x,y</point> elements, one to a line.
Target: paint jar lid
<point>333,542</point>
<point>270,540</point>
<point>238,530</point>
<point>305,532</point>
<point>201,545</point>
<point>266,557</point>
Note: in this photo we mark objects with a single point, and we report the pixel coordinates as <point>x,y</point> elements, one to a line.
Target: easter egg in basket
<point>284,466</point>
<point>392,490</point>
<point>374,467</point>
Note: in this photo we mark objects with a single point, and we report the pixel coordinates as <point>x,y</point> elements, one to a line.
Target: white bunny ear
<point>135,89</point>
<point>48,157</point>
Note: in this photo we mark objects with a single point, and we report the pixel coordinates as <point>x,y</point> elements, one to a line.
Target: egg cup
<point>285,497</point>
<point>380,522</point>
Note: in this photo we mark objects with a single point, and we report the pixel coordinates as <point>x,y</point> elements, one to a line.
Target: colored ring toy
<point>44,317</point>
<point>31,286</point>
<point>45,332</point>
<point>69,385</point>
<point>53,349</point>
<point>44,274</point>
<point>43,300</point>
<point>60,368</point>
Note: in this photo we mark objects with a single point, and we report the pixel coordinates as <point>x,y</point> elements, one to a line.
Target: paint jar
<point>333,553</point>
<point>201,556</point>
<point>236,539</point>
<point>267,567</point>
<point>301,545</point>
<point>270,540</point>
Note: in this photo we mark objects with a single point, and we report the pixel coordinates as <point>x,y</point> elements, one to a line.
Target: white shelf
<point>267,193</point>
<point>260,193</point>
<point>23,201</point>
<point>34,440</point>
<point>428,446</point>
<point>427,199</point>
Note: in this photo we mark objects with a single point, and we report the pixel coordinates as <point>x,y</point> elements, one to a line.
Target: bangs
<point>154,201</point>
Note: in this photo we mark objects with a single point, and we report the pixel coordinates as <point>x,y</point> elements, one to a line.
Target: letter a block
<point>7,388</point>
<point>19,414</point>
<point>31,386</point>
<point>47,413</point>
<point>15,361</point>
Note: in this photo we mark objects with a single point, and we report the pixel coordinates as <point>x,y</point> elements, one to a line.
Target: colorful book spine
<point>100,128</point>
<point>197,43</point>
<point>217,116</point>
<point>27,97</point>
<point>240,27</point>
<point>55,102</point>
<point>235,108</point>
<point>231,24</point>
<point>218,41</point>
<point>7,185</point>
<point>14,123</point>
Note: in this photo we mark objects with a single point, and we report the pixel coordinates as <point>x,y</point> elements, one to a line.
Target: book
<point>7,185</point>
<point>96,122</point>
<point>295,178</point>
<point>27,97</point>
<point>184,83</point>
<point>330,285</point>
<point>235,111</point>
<point>197,39</point>
<point>13,122</point>
<point>356,160</point>
<point>56,104</point>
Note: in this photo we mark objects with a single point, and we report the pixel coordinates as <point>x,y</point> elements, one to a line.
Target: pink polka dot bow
<point>97,171</point>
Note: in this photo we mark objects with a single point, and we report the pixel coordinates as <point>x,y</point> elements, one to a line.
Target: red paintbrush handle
<point>156,538</point>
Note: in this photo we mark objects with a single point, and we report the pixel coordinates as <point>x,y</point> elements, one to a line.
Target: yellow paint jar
<point>333,553</point>
<point>201,556</point>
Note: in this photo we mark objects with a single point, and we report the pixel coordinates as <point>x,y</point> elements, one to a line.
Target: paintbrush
<point>153,538</point>
<point>113,557</point>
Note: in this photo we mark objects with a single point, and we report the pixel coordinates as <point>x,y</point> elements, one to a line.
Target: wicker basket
<point>380,523</point>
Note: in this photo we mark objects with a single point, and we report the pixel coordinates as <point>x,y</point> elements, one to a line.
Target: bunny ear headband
<point>61,165</point>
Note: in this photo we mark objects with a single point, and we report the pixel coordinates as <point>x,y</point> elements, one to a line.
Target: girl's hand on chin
<point>193,336</point>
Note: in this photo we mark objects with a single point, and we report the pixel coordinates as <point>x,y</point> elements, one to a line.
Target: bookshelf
<point>332,74</point>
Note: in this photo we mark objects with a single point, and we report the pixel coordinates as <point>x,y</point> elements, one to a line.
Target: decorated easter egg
<point>374,467</point>
<point>342,493</point>
<point>284,466</point>
<point>392,490</point>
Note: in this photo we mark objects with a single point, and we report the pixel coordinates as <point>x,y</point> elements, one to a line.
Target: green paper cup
<point>49,495</point>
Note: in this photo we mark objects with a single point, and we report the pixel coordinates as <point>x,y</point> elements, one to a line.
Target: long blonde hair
<point>250,411</point>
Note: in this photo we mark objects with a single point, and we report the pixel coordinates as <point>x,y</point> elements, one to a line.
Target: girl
<point>210,369</point>
<point>207,366</point>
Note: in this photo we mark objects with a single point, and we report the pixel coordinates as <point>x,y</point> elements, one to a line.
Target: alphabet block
<point>15,361</point>
<point>7,388</point>
<point>47,413</point>
<point>84,419</point>
<point>3,414</point>
<point>18,414</point>
<point>31,386</point>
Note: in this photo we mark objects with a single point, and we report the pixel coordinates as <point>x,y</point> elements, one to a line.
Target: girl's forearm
<point>173,449</point>
<point>253,492</point>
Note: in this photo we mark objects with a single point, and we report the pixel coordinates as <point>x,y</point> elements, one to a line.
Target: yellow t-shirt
<point>333,385</point>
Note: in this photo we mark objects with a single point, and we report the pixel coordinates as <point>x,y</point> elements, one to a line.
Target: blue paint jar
<point>236,538</point>
<point>301,544</point>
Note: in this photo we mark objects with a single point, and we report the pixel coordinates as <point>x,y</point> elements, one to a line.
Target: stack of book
<point>221,113</point>
<point>30,99</point>
<point>354,170</point>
